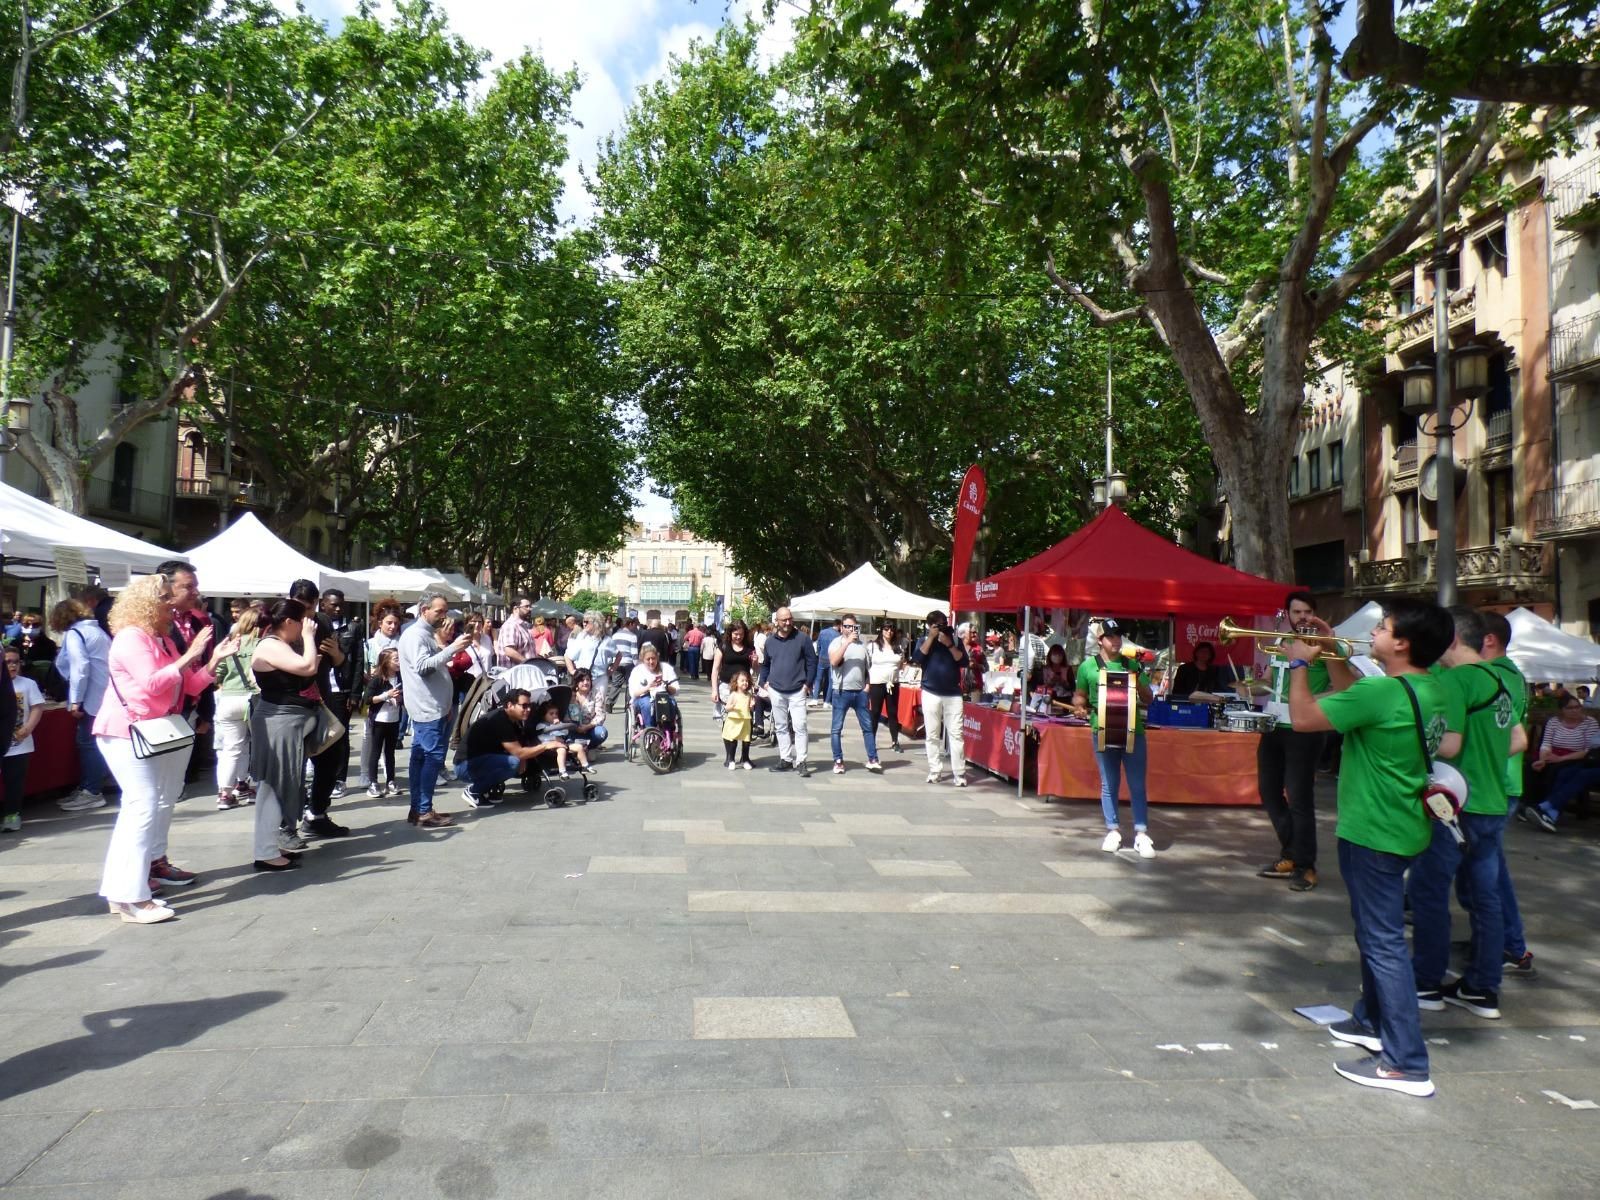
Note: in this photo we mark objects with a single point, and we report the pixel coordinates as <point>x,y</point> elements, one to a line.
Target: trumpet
<point>1228,632</point>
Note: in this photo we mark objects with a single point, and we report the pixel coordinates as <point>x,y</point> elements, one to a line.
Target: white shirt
<point>388,713</point>
<point>643,679</point>
<point>583,650</point>
<point>29,697</point>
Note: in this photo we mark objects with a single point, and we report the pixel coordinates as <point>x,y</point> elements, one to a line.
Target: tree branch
<point>1098,316</point>
<point>1377,51</point>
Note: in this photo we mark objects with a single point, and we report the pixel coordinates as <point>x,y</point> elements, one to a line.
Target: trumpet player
<point>1286,759</point>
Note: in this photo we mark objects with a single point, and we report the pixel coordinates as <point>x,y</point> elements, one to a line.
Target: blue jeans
<point>487,771</point>
<point>1571,782</point>
<point>843,702</point>
<point>1480,860</point>
<point>597,737</point>
<point>1112,763</point>
<point>91,767</point>
<point>427,756</point>
<point>1388,1005</point>
<point>642,708</point>
<point>1510,912</point>
<point>691,661</point>
<point>822,679</point>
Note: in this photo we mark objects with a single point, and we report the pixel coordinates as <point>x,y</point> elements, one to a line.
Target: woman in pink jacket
<point>149,678</point>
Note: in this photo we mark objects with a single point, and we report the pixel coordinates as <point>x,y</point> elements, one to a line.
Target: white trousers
<point>150,787</point>
<point>941,718</point>
<point>789,721</point>
<point>232,723</point>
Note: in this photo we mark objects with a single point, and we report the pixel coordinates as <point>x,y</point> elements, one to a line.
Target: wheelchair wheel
<point>630,743</point>
<point>655,751</point>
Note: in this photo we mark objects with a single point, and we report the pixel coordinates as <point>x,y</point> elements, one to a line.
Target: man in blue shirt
<point>821,682</point>
<point>941,657</point>
<point>787,667</point>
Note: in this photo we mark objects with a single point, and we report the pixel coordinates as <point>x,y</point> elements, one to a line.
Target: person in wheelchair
<point>651,688</point>
<point>495,752</point>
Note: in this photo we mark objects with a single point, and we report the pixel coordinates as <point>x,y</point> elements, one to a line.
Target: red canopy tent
<point>1115,566</point>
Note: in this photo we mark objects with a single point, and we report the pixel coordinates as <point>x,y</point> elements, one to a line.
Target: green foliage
<point>821,337</point>
<point>585,599</point>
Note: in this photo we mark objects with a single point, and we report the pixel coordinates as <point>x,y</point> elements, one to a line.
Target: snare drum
<point>1238,721</point>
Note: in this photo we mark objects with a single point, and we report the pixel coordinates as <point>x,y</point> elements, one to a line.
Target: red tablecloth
<point>54,764</point>
<point>991,739</point>
<point>1182,766</point>
<point>908,707</point>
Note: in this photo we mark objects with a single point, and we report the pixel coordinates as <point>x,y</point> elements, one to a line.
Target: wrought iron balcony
<point>1497,429</point>
<point>1416,327</point>
<point>1572,510</point>
<point>1574,199</point>
<point>118,501</point>
<point>1518,567</point>
<point>1405,458</point>
<point>1575,347</point>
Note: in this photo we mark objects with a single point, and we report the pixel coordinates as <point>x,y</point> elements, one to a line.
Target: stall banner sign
<point>70,565</point>
<point>1189,631</point>
<point>969,515</point>
<point>992,739</point>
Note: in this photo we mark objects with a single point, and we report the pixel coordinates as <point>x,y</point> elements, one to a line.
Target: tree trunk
<point>62,475</point>
<point>1255,477</point>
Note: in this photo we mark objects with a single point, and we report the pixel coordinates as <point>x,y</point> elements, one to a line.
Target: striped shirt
<point>1570,739</point>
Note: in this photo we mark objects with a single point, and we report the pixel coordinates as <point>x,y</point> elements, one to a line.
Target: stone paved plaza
<point>743,985</point>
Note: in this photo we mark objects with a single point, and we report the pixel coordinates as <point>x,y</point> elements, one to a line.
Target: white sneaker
<point>746,765</point>
<point>933,776</point>
<point>375,791</point>
<point>1143,846</point>
<point>731,766</point>
<point>961,781</point>
<point>1113,841</point>
<point>81,801</point>
<point>11,823</point>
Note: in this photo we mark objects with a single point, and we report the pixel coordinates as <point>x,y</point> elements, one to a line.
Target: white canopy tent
<point>1360,624</point>
<point>866,593</point>
<point>403,583</point>
<point>33,528</point>
<point>1543,651</point>
<point>248,560</point>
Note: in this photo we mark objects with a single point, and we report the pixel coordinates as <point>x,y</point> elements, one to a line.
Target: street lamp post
<point>1444,429</point>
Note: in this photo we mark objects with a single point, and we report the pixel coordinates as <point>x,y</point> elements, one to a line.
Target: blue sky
<point>616,45</point>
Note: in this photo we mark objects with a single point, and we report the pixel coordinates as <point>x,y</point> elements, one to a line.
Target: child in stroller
<point>552,731</point>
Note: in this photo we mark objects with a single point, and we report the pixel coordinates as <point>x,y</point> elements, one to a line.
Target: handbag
<point>327,730</point>
<point>155,736</point>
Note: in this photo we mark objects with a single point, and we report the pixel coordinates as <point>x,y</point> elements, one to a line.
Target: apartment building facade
<point>664,567</point>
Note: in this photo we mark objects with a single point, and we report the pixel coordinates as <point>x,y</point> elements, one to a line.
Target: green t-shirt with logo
<point>1089,685</point>
<point>1278,677</point>
<point>1517,685</point>
<point>1381,768</point>
<point>1480,707</point>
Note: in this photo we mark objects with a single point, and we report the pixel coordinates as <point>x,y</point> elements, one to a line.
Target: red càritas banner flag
<point>969,515</point>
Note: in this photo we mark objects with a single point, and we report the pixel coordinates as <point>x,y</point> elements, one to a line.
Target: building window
<point>1452,274</point>
<point>1491,250</point>
<point>1502,502</point>
<point>123,462</point>
<point>1314,470</point>
<point>1294,476</point>
<point>600,581</point>
<point>1408,519</point>
<point>1405,299</point>
<point>633,564</point>
<point>1336,464</point>
<point>705,565</point>
<point>314,543</point>
<point>683,564</point>
<point>655,564</point>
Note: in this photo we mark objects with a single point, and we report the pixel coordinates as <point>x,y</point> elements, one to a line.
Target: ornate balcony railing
<point>1405,458</point>
<point>1568,510</point>
<point>1518,566</point>
<point>1575,346</point>
<point>1417,326</point>
<point>1497,427</point>
<point>1575,192</point>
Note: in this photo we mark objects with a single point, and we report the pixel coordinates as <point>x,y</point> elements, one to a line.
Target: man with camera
<point>847,659</point>
<point>942,657</point>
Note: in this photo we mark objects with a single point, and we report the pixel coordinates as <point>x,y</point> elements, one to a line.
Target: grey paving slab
<point>455,1016</point>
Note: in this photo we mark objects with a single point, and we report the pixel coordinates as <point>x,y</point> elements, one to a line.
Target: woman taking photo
<point>148,679</point>
<point>285,668</point>
<point>235,686</point>
<point>883,690</point>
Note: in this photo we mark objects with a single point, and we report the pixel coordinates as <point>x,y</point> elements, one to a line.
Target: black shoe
<point>803,771</point>
<point>1480,1002</point>
<point>1520,968</point>
<point>782,764</point>
<point>288,840</point>
<point>1282,868</point>
<point>262,865</point>
<point>1305,879</point>
<point>322,827</point>
<point>1430,999</point>
<point>1354,1033</point>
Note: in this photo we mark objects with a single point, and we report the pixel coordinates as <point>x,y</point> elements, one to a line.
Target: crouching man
<point>494,750</point>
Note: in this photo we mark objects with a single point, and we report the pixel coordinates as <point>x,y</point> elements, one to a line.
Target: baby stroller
<point>541,679</point>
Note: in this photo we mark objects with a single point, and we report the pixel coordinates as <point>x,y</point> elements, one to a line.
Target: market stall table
<point>54,765</point>
<point>1182,766</point>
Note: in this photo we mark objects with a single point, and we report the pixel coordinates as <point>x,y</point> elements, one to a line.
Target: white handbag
<point>161,735</point>
<point>155,736</point>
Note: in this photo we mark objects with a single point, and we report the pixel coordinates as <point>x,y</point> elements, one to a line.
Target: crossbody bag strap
<point>1499,688</point>
<point>111,678</point>
<point>1416,713</point>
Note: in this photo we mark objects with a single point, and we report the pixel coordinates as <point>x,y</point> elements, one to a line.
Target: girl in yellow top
<point>736,724</point>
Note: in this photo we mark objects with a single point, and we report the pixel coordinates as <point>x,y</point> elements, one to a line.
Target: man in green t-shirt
<point>1286,758</point>
<point>1517,961</point>
<point>1113,760</point>
<point>1385,721</point>
<point>1480,707</point>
